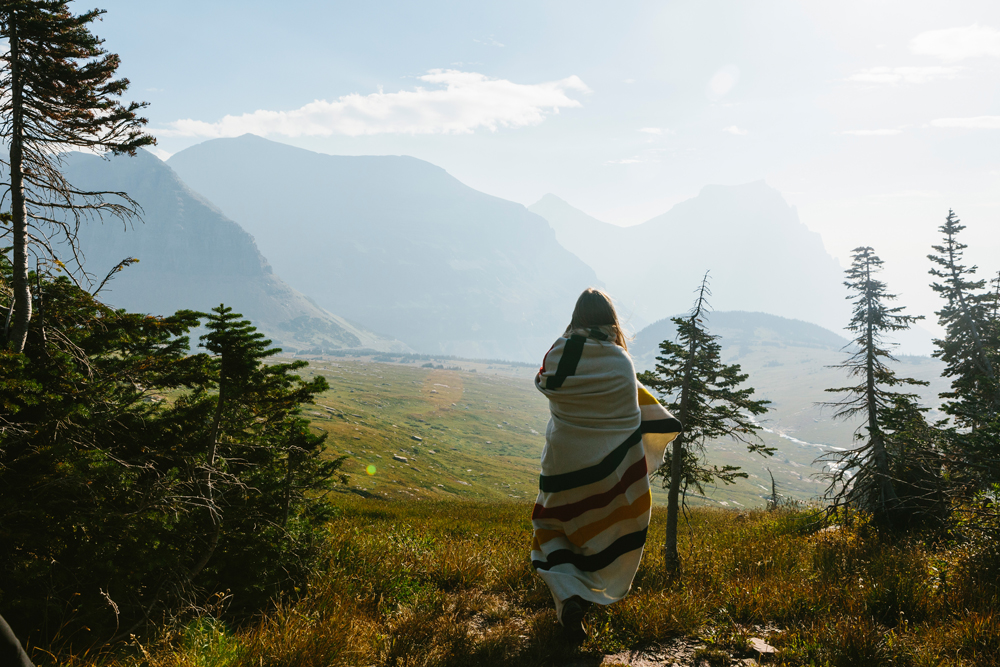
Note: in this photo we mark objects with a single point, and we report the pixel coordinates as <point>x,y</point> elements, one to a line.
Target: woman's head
<point>594,309</point>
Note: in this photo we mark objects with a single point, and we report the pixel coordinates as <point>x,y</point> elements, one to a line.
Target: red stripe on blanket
<point>572,510</point>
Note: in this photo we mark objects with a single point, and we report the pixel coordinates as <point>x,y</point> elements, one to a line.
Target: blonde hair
<point>594,308</point>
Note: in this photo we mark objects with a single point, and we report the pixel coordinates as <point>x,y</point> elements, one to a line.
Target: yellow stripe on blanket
<point>659,428</point>
<point>646,398</point>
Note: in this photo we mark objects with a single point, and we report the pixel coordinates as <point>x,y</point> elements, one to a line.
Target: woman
<point>606,433</point>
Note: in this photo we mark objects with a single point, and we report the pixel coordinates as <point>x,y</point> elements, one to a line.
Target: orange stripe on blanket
<point>543,535</point>
<point>584,534</point>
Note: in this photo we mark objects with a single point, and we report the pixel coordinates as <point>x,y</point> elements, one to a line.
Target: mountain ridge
<point>759,255</point>
<point>397,244</point>
<point>192,256</point>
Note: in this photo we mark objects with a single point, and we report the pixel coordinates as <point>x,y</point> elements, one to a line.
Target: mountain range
<point>759,255</point>
<point>192,256</point>
<point>397,244</point>
<point>321,251</point>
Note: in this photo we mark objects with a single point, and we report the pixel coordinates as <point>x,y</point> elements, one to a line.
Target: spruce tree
<point>57,93</point>
<point>104,480</point>
<point>254,423</point>
<point>970,351</point>
<point>707,397</point>
<point>863,476</point>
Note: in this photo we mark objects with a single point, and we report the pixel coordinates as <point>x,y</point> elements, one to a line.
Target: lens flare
<point>370,469</point>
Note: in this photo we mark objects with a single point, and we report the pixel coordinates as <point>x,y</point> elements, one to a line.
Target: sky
<point>871,117</point>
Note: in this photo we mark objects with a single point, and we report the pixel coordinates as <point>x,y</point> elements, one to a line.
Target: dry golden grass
<point>449,583</point>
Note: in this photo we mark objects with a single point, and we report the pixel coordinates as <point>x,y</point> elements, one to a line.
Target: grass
<point>426,562</point>
<point>447,582</point>
<point>481,431</point>
<point>485,424</point>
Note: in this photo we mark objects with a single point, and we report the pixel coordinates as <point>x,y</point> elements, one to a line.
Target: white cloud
<point>953,44</point>
<point>732,129</point>
<point>489,41</point>
<point>462,103</point>
<point>896,75</point>
<point>723,81</point>
<point>658,131</point>
<point>973,123</point>
<point>885,132</point>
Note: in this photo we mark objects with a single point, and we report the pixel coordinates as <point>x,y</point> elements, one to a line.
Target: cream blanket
<point>606,433</point>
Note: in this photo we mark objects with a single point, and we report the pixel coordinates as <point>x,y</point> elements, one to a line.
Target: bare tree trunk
<point>881,459</point>
<point>19,213</point>
<point>209,496</point>
<point>671,557</point>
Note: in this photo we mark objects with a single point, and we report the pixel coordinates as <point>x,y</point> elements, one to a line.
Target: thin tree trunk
<point>19,213</point>
<point>881,459</point>
<point>213,448</point>
<point>671,557</point>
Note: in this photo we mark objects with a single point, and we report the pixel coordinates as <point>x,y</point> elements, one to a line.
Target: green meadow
<point>476,431</point>
<point>481,425</point>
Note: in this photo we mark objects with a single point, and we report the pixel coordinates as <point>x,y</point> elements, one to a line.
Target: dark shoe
<point>572,617</point>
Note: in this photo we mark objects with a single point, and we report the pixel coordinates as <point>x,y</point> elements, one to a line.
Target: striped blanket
<point>606,433</point>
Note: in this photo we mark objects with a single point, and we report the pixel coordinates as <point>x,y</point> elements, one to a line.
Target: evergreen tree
<point>706,396</point>
<point>104,484</point>
<point>863,476</point>
<point>57,93</point>
<point>971,352</point>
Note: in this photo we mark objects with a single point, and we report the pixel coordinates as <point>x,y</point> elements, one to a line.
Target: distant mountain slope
<point>790,363</point>
<point>739,328</point>
<point>761,257</point>
<point>585,236</point>
<point>397,244</point>
<point>192,256</point>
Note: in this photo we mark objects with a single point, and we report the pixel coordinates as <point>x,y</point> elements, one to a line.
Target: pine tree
<point>863,476</point>
<point>254,417</point>
<point>57,93</point>
<point>970,350</point>
<point>104,485</point>
<point>705,395</point>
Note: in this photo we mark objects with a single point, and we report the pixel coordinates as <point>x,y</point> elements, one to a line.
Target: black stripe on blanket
<point>669,425</point>
<point>595,473</point>
<point>593,562</point>
<point>572,352</point>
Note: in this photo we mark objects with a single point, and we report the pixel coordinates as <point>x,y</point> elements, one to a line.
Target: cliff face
<point>192,256</point>
<point>398,245</point>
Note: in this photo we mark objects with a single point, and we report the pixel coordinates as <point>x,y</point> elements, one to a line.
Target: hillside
<point>192,256</point>
<point>761,257</point>
<point>790,363</point>
<point>485,422</point>
<point>397,244</point>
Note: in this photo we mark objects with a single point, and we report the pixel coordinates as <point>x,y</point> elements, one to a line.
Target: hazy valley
<point>398,247</point>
